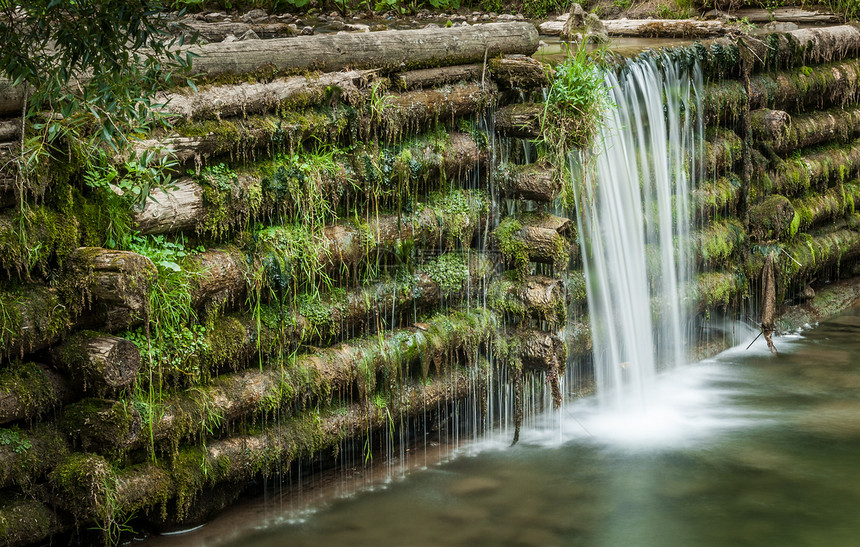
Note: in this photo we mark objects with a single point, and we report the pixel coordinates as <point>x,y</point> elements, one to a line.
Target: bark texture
<point>520,120</point>
<point>30,389</point>
<point>537,182</point>
<point>101,363</point>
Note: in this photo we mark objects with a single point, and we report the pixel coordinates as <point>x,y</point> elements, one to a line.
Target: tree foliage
<point>90,67</point>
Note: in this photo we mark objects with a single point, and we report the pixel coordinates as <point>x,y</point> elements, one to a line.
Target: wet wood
<point>28,390</point>
<point>242,99</point>
<point>519,120</point>
<point>103,364</point>
<point>218,31</point>
<point>647,28</point>
<point>114,285</point>
<point>787,15</point>
<point>518,72</point>
<point>538,182</point>
<point>433,77</point>
<point>395,49</point>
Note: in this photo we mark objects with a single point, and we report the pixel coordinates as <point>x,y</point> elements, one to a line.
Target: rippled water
<point>743,449</point>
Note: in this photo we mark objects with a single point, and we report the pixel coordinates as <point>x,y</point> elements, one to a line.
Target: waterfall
<point>634,216</point>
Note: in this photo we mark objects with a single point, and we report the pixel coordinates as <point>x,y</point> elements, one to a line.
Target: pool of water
<point>743,449</point>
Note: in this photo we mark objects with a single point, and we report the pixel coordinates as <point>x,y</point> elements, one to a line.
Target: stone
<point>356,27</point>
<point>215,17</point>
<point>336,25</point>
<point>307,31</point>
<point>255,16</point>
<point>507,17</point>
<point>229,38</point>
<point>249,35</point>
<point>575,22</point>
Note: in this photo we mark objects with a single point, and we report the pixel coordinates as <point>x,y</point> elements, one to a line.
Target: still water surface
<point>742,449</point>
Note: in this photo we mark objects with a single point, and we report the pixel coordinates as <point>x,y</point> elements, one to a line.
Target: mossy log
<point>34,317</point>
<point>718,242</point>
<point>114,285</point>
<point>28,455</point>
<point>806,256</point>
<point>36,240</point>
<point>535,181</point>
<point>521,120</point>
<point>577,338</point>
<point>815,209</point>
<point>219,277</point>
<point>647,28</point>
<point>831,84</point>
<point>10,129</point>
<point>25,521</point>
<point>318,376</point>
<point>773,218</point>
<point>787,15</point>
<point>410,111</point>
<point>101,363</point>
<point>185,206</point>
<point>77,483</point>
<point>536,297</point>
<point>535,237</point>
<point>433,77</point>
<point>770,125</point>
<point>723,149</point>
<point>814,170</point>
<point>718,290</point>
<point>102,425</point>
<point>518,72</point>
<point>30,389</point>
<point>395,49</point>
<point>806,130</point>
<point>218,31</point>
<point>717,197</point>
<point>242,99</point>
<point>541,351</point>
<point>806,46</point>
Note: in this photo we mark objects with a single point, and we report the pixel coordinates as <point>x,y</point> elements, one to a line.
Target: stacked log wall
<point>354,251</point>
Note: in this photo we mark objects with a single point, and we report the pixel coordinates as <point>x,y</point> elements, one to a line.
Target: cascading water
<point>634,225</point>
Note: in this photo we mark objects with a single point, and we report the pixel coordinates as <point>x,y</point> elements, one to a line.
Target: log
<point>535,237</point>
<point>717,243</point>
<point>815,209</point>
<point>770,125</point>
<point>387,49</point>
<point>102,425</point>
<point>723,149</point>
<point>664,28</point>
<point>802,47</point>
<point>787,15</point>
<point>433,77</point>
<point>773,219</point>
<point>183,205</point>
<point>413,111</point>
<point>220,277</point>
<point>25,521</point>
<point>718,290</point>
<point>832,84</point>
<point>218,31</point>
<point>717,197</point>
<point>10,129</point>
<point>536,297</point>
<point>542,351</point>
<point>807,255</point>
<point>101,363</point>
<point>648,28</point>
<point>224,101</point>
<point>114,285</point>
<point>76,482</point>
<point>316,376</point>
<point>36,240</point>
<point>521,120</point>
<point>796,176</point>
<point>30,454</point>
<point>806,130</point>
<point>518,72</point>
<point>28,390</point>
<point>534,181</point>
<point>34,317</point>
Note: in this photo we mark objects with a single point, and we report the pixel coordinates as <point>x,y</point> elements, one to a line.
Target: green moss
<point>772,218</point>
<point>30,387</point>
<point>512,247</point>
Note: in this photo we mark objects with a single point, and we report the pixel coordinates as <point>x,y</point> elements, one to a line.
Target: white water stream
<point>634,226</point>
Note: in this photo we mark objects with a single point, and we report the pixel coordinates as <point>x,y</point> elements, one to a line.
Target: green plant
<point>12,438</point>
<point>575,102</point>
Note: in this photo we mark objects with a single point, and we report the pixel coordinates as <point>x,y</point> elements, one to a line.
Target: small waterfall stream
<point>634,222</point>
